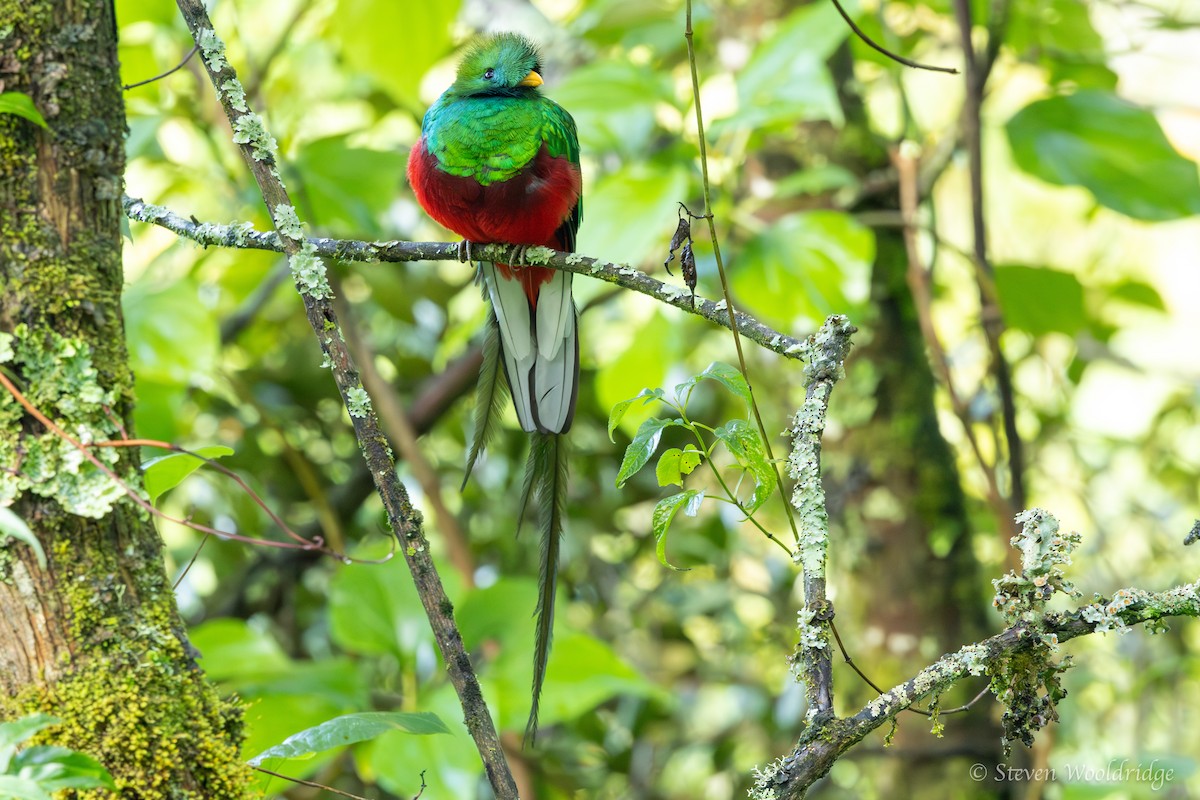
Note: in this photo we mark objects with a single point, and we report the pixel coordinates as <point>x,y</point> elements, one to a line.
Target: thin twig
<point>188,567</point>
<point>850,663</point>
<point>729,306</point>
<point>315,545</point>
<point>316,785</point>
<point>990,317</point>
<point>894,57</point>
<point>918,284</point>
<point>187,58</point>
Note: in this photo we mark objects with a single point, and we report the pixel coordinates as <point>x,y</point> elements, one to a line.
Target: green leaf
<point>17,731</point>
<point>230,649</point>
<point>13,527</point>
<point>1111,147</point>
<point>585,672</point>
<point>347,187</point>
<point>56,768</point>
<point>674,464</point>
<point>1138,293</point>
<point>374,609</point>
<point>785,83</point>
<point>351,728</point>
<point>614,103</point>
<point>14,788</point>
<point>618,411</point>
<point>166,472</point>
<point>664,513</point>
<point>173,337</point>
<point>1040,300</point>
<point>487,614</point>
<point>746,445</point>
<point>1058,35</point>
<point>644,443</point>
<point>21,105</point>
<point>631,213</point>
<point>367,32</point>
<point>805,267</point>
<point>731,379</point>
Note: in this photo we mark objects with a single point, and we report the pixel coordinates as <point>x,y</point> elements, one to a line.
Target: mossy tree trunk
<point>93,636</point>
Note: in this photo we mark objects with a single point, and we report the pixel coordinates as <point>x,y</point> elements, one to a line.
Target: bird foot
<point>465,248</point>
<point>517,258</point>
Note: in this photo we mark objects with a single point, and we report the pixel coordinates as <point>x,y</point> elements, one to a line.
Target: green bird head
<point>500,65</point>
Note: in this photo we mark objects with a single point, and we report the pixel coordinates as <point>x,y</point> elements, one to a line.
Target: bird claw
<point>464,251</point>
<point>518,255</point>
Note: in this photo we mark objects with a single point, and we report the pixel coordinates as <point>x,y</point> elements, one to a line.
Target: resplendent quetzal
<point>499,162</point>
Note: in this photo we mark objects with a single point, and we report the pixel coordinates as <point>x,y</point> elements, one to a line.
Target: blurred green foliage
<point>662,684</point>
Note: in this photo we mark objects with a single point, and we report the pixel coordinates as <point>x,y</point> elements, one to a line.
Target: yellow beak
<point>532,79</point>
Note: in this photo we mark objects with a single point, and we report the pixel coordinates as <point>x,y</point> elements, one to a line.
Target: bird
<point>498,161</point>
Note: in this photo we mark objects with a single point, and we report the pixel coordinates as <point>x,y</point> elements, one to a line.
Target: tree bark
<point>93,635</point>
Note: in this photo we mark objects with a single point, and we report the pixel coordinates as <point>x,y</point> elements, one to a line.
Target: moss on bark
<point>93,637</point>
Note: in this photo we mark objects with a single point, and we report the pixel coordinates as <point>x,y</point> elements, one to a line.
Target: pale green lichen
<point>826,351</point>
<point>1044,553</point>
<point>768,778</point>
<point>1027,681</point>
<point>671,292</point>
<point>808,495</point>
<point>975,658</point>
<point>147,212</point>
<point>249,129</point>
<point>213,50</point>
<point>358,402</point>
<point>538,255</point>
<point>309,272</point>
<point>574,259</point>
<point>233,91</point>
<point>61,382</point>
<point>287,222</point>
<point>813,635</point>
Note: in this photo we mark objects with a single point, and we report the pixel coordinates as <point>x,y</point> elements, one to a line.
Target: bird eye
<point>489,74</point>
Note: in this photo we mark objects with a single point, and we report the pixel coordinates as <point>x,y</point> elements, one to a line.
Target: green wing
<point>558,134</point>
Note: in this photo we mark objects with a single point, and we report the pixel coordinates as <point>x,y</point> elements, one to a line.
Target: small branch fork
<point>828,736</point>
<point>258,150</point>
<point>823,743</point>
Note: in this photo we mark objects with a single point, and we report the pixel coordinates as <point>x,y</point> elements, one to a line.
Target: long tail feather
<point>490,394</point>
<point>548,462</point>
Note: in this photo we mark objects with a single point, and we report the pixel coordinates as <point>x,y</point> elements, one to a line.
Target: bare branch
<point>159,77</point>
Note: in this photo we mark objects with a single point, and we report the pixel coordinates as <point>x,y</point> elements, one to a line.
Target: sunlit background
<point>668,684</point>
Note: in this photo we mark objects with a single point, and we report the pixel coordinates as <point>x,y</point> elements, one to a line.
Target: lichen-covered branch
<point>1021,662</point>
<point>826,351</point>
<point>244,235</point>
<point>258,149</point>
